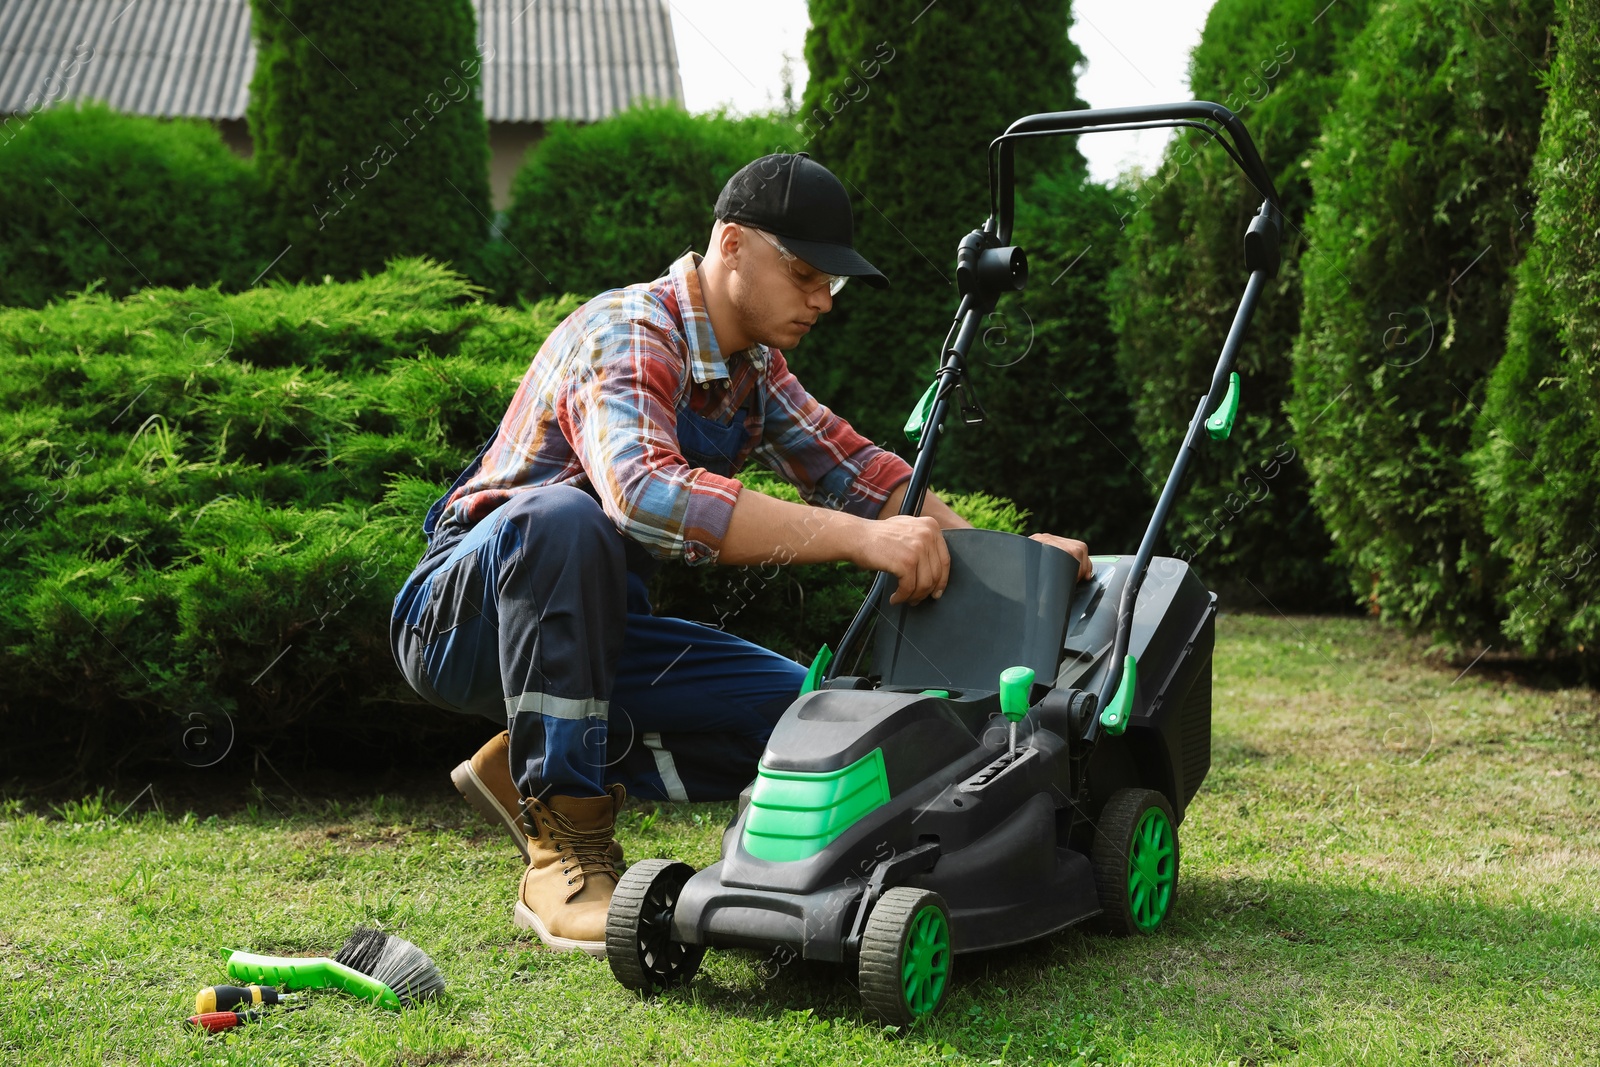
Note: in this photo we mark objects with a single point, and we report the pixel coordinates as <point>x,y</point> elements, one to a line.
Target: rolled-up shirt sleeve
<point>819,453</point>
<point>617,409</point>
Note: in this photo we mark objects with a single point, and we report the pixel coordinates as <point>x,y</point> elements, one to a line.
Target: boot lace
<point>582,852</point>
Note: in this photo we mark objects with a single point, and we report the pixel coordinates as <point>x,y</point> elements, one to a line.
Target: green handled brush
<point>387,970</point>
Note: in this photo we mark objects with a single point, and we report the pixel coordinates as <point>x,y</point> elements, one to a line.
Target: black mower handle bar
<point>1228,131</point>
<point>994,268</point>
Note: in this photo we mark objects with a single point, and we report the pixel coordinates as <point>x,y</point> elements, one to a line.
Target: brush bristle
<point>394,961</point>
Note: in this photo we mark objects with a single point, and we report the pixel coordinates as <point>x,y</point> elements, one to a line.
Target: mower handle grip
<point>1106,120</point>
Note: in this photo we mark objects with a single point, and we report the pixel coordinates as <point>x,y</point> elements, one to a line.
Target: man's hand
<point>911,548</point>
<point>1077,549</point>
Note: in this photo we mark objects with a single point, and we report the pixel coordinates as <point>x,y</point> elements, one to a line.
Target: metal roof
<point>150,57</point>
<point>574,59</point>
<point>544,59</point>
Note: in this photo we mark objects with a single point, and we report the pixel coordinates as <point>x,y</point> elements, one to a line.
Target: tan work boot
<point>567,887</point>
<point>485,780</point>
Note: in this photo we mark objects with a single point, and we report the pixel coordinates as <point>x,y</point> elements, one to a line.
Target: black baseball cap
<point>798,200</point>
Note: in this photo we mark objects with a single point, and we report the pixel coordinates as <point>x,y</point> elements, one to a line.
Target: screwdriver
<point>215,998</point>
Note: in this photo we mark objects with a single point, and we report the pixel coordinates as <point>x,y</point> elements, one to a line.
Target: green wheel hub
<point>927,961</point>
<point>1152,869</point>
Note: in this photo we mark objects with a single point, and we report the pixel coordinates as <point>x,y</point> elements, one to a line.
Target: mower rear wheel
<point>1135,861</point>
<point>905,956</point>
<point>639,943</point>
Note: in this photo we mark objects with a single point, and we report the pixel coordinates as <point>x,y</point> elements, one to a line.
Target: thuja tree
<point>902,101</point>
<point>1419,219</point>
<point>1246,518</point>
<point>369,133</point>
<point>1538,461</point>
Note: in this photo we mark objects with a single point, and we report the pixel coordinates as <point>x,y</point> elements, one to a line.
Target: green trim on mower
<point>793,815</point>
<point>1151,870</point>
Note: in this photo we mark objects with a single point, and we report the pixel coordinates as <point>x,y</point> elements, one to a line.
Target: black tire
<point>897,939</point>
<point>639,943</point>
<point>1135,862</point>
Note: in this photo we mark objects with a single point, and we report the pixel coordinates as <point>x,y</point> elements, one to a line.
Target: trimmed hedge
<point>1419,190</point>
<point>1246,517</point>
<point>1538,460</point>
<point>92,197</point>
<point>610,203</point>
<point>212,501</point>
<point>207,481</point>
<point>369,133</point>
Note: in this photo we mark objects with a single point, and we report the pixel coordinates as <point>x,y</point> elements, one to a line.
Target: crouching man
<point>619,451</point>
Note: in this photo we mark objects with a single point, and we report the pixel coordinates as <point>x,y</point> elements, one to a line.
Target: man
<point>619,450</point>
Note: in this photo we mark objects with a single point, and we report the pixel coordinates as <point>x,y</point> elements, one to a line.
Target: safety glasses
<point>808,278</point>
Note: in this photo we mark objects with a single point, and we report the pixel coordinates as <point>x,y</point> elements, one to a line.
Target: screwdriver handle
<point>215,998</point>
<point>215,1021</point>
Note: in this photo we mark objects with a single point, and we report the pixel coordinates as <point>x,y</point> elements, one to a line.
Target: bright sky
<point>732,52</point>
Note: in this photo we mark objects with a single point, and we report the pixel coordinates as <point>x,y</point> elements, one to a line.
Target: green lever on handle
<point>919,414</point>
<point>1220,424</point>
<point>819,667</point>
<point>1115,715</point>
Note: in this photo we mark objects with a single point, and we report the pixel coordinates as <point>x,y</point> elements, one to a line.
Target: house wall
<point>508,143</point>
<point>236,135</point>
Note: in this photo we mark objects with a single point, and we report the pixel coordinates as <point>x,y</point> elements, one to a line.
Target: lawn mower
<point>1019,757</point>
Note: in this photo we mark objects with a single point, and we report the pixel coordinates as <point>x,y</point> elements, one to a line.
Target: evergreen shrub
<point>211,501</point>
<point>1418,222</point>
<point>609,203</point>
<point>1245,519</point>
<point>90,197</point>
<point>367,118</point>
<point>1538,458</point>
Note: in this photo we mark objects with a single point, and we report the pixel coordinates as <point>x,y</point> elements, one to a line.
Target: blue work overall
<point>538,617</point>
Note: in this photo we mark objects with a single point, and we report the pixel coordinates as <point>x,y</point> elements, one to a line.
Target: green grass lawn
<point>1388,864</point>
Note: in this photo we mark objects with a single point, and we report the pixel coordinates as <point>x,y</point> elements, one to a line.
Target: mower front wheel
<point>905,956</point>
<point>639,943</point>
<point>1135,861</point>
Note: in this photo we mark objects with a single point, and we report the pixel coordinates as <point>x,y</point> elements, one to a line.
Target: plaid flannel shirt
<point>598,406</point>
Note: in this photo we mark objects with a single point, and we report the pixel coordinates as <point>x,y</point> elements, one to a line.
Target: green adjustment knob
<point>1016,685</point>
